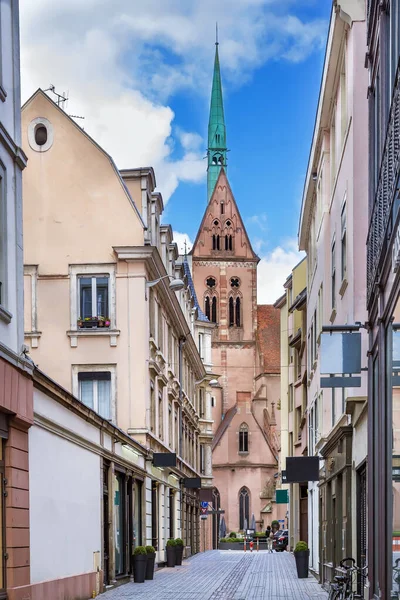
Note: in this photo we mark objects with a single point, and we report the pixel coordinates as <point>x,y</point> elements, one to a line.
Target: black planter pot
<point>302,559</point>
<point>151,558</point>
<point>89,324</point>
<point>171,556</point>
<point>139,568</point>
<point>178,555</point>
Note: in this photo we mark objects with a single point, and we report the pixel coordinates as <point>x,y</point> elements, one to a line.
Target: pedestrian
<point>270,542</point>
<point>268,531</point>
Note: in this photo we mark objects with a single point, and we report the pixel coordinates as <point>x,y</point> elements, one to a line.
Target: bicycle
<point>396,578</point>
<point>342,587</point>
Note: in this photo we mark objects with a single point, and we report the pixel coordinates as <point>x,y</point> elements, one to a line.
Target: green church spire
<point>216,129</point>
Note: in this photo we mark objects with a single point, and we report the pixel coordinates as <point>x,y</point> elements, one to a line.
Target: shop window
<point>3,551</point>
<point>119,524</point>
<point>171,513</point>
<point>154,514</point>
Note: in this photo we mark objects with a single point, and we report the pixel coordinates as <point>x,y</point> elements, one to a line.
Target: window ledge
<point>100,332</point>
<point>5,315</point>
<point>34,336</point>
<point>243,453</point>
<point>343,287</point>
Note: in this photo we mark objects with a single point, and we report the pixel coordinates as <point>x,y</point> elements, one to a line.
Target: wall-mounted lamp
<point>175,285</point>
<point>314,176</point>
<point>214,383</point>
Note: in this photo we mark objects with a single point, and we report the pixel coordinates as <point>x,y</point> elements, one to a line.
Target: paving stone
<point>225,575</point>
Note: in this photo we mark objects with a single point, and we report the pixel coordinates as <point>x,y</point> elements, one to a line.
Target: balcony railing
<point>384,195</point>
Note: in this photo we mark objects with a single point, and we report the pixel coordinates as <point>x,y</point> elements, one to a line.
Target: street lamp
<point>175,285</point>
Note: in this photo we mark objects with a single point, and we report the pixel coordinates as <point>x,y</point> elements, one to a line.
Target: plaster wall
<point>65,502</point>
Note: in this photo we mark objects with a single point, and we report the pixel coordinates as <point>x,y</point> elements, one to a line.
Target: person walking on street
<point>270,542</point>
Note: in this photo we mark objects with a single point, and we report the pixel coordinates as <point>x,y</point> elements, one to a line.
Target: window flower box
<point>88,322</point>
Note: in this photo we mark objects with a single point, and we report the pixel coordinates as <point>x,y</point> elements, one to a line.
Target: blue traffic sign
<point>203,504</point>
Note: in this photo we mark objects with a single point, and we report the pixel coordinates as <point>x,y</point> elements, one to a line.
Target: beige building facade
<point>98,323</point>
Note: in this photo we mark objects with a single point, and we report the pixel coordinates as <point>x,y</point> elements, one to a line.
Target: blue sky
<point>140,72</point>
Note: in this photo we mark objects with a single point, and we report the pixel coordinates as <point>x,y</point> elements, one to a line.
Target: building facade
<point>98,267</point>
<point>16,389</point>
<point>332,231</point>
<point>246,419</point>
<point>293,409</point>
<point>383,291</point>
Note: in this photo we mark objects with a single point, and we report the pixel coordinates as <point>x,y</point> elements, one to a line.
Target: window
<point>154,514</point>
<point>95,391</point>
<point>333,149</point>
<point>207,308</point>
<point>235,282</point>
<point>3,220</point>
<point>94,301</point>
<point>244,508</point>
<point>343,257</point>
<point>202,461</point>
<point>212,401</point>
<point>234,311</point>
<point>214,310</point>
<point>228,242</point>
<point>243,438</point>
<point>40,134</point>
<point>333,275</point>
<point>211,282</point>
<point>237,312</point>
<point>171,513</point>
<point>231,312</point>
<point>160,415</point>
<point>343,100</point>
<point>201,336</point>
<point>333,407</point>
<point>290,397</point>
<point>222,208</point>
<point>152,407</point>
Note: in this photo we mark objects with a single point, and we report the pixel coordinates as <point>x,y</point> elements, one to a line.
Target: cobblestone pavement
<point>225,575</point>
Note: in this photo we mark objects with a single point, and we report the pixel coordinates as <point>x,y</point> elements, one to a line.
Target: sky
<point>140,72</point>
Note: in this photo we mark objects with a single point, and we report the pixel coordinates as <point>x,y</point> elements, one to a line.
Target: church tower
<point>216,152</point>
<point>224,267</point>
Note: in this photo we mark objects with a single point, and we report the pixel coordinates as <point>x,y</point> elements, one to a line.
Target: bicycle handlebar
<point>344,560</point>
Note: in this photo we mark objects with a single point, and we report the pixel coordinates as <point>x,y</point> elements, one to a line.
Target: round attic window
<point>40,134</point>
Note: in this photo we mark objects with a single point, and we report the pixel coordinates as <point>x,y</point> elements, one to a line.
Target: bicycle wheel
<point>334,594</point>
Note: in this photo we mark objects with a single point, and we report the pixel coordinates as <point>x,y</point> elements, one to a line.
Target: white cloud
<point>273,270</point>
<point>121,62</point>
<point>180,239</point>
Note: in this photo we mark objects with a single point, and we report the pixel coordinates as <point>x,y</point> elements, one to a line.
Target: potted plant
<point>302,555</point>
<point>101,321</point>
<point>80,322</point>
<point>151,558</point>
<point>90,322</point>
<point>179,551</point>
<point>139,564</point>
<point>171,555</point>
<point>107,322</point>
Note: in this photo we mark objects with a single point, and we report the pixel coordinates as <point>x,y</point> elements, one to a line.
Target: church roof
<point>223,426</point>
<point>200,315</point>
<point>269,337</point>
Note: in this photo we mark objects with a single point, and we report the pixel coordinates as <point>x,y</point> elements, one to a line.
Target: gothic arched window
<point>231,312</point>
<point>243,438</point>
<point>207,309</point>
<point>244,508</point>
<point>237,312</point>
<point>214,310</point>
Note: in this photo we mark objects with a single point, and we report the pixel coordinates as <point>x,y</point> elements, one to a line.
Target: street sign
<point>215,512</point>
<point>204,504</point>
<point>282,496</point>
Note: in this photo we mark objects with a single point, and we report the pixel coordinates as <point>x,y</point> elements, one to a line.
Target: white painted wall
<point>65,505</point>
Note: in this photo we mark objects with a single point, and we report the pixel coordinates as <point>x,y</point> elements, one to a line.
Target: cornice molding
<point>12,148</point>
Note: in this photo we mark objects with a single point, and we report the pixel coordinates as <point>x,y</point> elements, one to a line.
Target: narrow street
<point>225,575</point>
